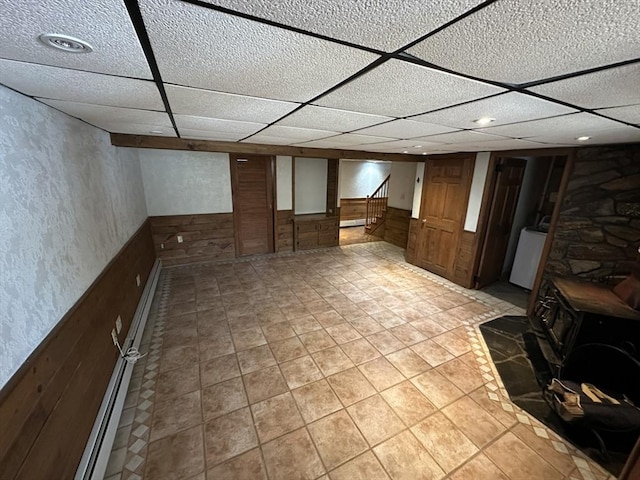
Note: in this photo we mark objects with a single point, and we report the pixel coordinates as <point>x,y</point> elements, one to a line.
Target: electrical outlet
<point>118,324</point>
<point>114,336</point>
<point>162,246</point>
<point>138,280</point>
<point>180,240</point>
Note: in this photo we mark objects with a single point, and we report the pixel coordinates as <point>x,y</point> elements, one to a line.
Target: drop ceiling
<point>380,76</point>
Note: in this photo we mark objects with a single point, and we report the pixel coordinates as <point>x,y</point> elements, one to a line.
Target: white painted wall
<point>477,189</point>
<point>69,201</point>
<point>417,190</point>
<point>359,178</point>
<point>185,183</point>
<point>310,185</point>
<point>401,185</point>
<point>284,183</point>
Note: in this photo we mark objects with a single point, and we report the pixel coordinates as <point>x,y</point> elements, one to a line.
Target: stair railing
<point>377,206</point>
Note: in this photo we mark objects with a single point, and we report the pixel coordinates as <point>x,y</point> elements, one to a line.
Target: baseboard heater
<point>93,464</point>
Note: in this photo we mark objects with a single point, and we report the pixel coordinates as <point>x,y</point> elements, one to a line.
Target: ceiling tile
<point>517,41</point>
<point>296,134</point>
<point>269,140</point>
<point>355,139</point>
<point>138,129</point>
<point>492,146</point>
<point>398,89</point>
<point>405,129</point>
<point>217,125</point>
<point>629,114</point>
<point>408,145</point>
<point>227,106</point>
<point>613,87</point>
<point>575,124</point>
<point>377,24</point>
<point>198,47</point>
<point>508,108</point>
<point>104,24</point>
<point>102,116</point>
<point>64,84</point>
<point>323,118</point>
<point>622,134</point>
<point>462,136</point>
<point>197,134</point>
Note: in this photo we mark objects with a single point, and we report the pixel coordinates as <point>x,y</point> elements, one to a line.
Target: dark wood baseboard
<point>205,237</point>
<point>396,226</point>
<point>48,408</point>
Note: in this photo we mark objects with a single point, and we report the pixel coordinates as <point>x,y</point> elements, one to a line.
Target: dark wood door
<point>445,194</point>
<point>509,174</point>
<point>252,185</point>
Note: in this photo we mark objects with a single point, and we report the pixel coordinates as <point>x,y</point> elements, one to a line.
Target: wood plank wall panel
<point>396,225</point>
<point>412,239</point>
<point>48,408</point>
<point>332,187</point>
<point>205,237</point>
<point>284,231</point>
<point>353,208</point>
<point>463,268</point>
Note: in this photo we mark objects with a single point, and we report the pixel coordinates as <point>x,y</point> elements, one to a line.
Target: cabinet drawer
<point>307,227</point>
<point>327,240</point>
<point>328,225</point>
<point>307,236</point>
<point>304,243</point>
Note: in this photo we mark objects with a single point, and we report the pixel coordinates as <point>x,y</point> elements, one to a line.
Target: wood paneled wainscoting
<point>353,209</point>
<point>48,408</point>
<point>284,231</point>
<point>205,237</point>
<point>396,226</point>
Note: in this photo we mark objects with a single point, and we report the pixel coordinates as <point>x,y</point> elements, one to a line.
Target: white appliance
<point>527,259</point>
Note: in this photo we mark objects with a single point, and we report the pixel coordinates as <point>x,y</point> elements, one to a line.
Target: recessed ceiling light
<point>424,153</point>
<point>417,146</point>
<point>584,138</point>
<point>155,131</point>
<point>65,43</point>
<point>484,120</point>
<point>405,151</point>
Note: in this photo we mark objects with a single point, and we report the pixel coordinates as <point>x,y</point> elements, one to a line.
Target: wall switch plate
<point>138,280</point>
<point>118,324</point>
<point>162,246</point>
<point>114,336</point>
<point>180,240</point>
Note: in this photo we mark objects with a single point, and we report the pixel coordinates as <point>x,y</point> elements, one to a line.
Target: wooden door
<point>445,194</point>
<point>509,174</point>
<point>252,186</point>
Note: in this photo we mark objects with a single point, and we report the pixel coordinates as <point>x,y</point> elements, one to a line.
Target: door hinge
<point>499,167</point>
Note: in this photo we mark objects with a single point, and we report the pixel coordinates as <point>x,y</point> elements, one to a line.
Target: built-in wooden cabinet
<point>316,231</point>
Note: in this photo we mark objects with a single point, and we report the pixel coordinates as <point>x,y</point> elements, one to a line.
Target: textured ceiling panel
<point>398,89</point>
<point>629,114</point>
<point>376,24</point>
<point>297,134</point>
<point>405,129</point>
<point>216,125</point>
<point>519,41</point>
<point>137,129</point>
<point>84,87</point>
<point>343,141</point>
<point>576,124</point>
<point>463,136</point>
<point>269,140</point>
<point>102,116</point>
<point>506,144</point>
<point>508,108</point>
<point>198,47</point>
<point>205,103</point>
<point>323,118</point>
<point>104,24</point>
<point>614,87</point>
<point>210,135</point>
<point>622,134</point>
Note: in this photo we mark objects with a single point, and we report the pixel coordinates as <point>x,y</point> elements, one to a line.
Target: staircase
<point>377,207</point>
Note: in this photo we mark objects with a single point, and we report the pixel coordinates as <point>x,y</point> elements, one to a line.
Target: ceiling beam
<point>172,143</point>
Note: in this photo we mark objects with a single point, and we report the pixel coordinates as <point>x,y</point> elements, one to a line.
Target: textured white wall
<point>403,176</point>
<point>359,178</point>
<point>284,183</point>
<point>477,188</point>
<point>69,201</point>
<point>311,185</point>
<point>186,183</point>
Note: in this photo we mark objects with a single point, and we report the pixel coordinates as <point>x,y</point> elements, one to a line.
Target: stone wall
<point>598,231</point>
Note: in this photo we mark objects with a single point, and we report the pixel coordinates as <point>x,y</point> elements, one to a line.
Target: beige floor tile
<point>453,343</point>
<point>375,419</point>
<point>480,396</point>
<point>329,318</point>
<point>288,349</point>
<point>177,357</point>
<point>228,436</point>
<point>385,342</point>
<point>387,319</point>
<point>436,388</point>
<point>476,423</point>
<point>181,308</point>
<point>248,466</point>
<point>292,456</point>
<point>244,323</point>
<point>219,369</point>
<point>176,414</point>
<point>337,439</point>
<point>363,467</point>
<point>543,447</point>
<point>177,382</point>
<point>517,460</point>
<point>432,353</point>
<point>249,338</point>
<point>351,386</point>
<point>265,383</point>
<point>215,346</point>
<point>381,373</point>
<point>316,400</point>
<point>360,351</point>
<point>255,359</point>
<point>180,337</point>
<point>276,416</point>
<point>332,360</point>
<point>366,326</point>
<point>300,371</point>
<point>277,331</point>
<point>428,327</point>
<point>404,458</point>
<point>408,362</point>
<point>478,468</point>
<point>444,442</point>
<point>407,334</point>
<point>318,306</point>
<point>176,456</point>
<point>408,403</point>
<point>305,324</point>
<point>213,327</point>
<point>462,375</point>
<point>316,341</point>
<point>343,333</point>
<point>223,398</point>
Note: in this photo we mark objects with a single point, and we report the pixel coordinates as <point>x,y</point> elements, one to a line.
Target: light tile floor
<point>344,363</point>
